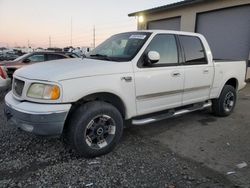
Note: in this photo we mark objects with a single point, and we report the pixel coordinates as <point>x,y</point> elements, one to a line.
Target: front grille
<point>18,86</point>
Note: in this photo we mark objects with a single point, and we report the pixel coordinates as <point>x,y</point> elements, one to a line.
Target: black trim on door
<point>180,50</point>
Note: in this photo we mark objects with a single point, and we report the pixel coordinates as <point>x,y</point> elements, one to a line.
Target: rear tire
<point>94,129</point>
<point>224,105</point>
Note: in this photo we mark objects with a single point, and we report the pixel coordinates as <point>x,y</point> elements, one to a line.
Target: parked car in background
<point>34,57</point>
<point>4,79</point>
<point>8,56</point>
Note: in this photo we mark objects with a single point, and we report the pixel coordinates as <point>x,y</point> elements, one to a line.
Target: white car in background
<point>4,79</point>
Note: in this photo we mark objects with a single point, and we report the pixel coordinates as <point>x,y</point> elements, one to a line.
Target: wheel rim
<point>100,131</point>
<point>229,101</point>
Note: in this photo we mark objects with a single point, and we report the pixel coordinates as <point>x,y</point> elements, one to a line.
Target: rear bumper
<point>40,119</point>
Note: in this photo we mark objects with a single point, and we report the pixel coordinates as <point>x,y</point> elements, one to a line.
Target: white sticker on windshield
<point>137,37</point>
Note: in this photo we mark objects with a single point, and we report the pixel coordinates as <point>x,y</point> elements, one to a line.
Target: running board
<point>171,113</point>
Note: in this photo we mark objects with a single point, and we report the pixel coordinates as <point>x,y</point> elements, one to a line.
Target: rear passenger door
<point>198,72</point>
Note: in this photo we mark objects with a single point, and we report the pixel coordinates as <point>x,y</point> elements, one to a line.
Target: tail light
<point>2,73</point>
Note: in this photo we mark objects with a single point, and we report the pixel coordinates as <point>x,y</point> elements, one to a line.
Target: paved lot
<point>195,150</point>
<point>218,143</point>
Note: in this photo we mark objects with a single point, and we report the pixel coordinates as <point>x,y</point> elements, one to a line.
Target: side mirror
<point>26,61</point>
<point>152,57</point>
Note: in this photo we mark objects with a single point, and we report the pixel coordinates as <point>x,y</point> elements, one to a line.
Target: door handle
<point>176,74</point>
<point>205,71</point>
<point>127,78</point>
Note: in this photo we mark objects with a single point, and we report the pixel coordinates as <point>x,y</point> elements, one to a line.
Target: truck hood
<point>66,69</point>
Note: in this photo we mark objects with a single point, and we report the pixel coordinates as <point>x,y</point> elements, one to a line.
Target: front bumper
<point>40,119</point>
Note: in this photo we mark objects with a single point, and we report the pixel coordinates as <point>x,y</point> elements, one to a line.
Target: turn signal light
<point>55,93</point>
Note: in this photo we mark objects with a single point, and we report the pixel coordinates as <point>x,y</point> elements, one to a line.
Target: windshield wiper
<point>105,57</point>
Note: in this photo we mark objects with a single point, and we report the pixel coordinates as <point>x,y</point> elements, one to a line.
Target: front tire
<point>94,129</point>
<point>224,105</point>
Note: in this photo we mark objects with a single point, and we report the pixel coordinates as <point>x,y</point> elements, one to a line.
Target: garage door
<point>227,31</point>
<point>168,24</point>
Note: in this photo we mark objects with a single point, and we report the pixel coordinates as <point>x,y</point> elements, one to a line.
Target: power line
<point>101,27</point>
<point>98,34</point>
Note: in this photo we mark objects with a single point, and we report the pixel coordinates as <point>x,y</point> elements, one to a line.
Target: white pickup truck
<point>141,76</point>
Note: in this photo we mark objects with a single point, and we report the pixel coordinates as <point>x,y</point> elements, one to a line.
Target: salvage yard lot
<point>195,150</point>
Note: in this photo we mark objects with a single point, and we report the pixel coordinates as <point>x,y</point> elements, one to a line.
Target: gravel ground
<point>30,161</point>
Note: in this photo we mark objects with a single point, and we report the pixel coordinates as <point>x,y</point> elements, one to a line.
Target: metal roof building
<point>225,23</point>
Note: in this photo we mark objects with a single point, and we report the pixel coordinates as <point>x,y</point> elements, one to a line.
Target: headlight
<point>44,91</point>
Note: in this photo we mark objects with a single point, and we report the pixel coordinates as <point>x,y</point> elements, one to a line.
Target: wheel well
<point>232,82</point>
<point>106,97</point>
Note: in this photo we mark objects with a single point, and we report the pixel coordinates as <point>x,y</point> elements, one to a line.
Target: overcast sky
<point>35,20</point>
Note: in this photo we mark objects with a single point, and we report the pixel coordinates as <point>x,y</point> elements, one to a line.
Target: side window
<point>193,49</point>
<point>54,57</point>
<point>165,45</point>
<point>36,58</point>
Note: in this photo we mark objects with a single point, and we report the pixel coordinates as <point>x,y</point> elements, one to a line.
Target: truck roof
<point>171,32</point>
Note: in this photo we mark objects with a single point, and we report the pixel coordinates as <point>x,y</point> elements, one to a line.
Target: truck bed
<point>225,69</point>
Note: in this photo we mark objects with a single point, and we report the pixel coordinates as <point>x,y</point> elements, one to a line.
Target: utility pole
<point>71,32</point>
<point>49,41</point>
<point>28,43</point>
<point>94,37</point>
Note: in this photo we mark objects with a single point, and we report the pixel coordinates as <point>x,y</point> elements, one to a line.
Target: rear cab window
<point>193,49</point>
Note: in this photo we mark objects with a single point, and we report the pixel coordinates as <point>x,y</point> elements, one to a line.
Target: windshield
<point>120,47</point>
<point>22,57</point>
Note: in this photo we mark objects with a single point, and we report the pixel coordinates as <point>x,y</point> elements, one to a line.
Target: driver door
<point>159,86</point>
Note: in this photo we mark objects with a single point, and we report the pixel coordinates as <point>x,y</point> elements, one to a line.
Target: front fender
<point>76,89</point>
